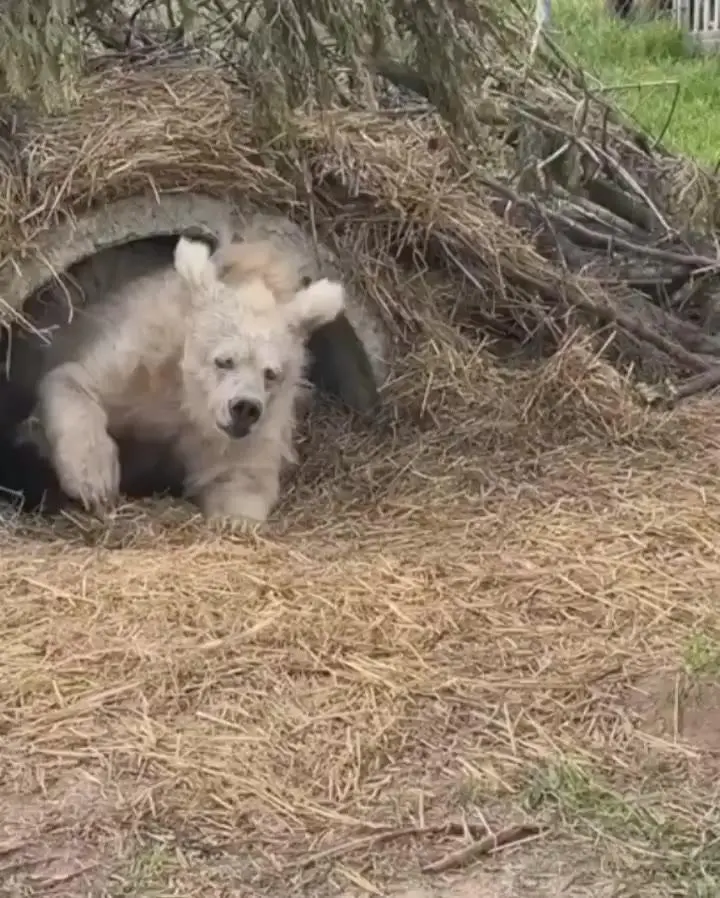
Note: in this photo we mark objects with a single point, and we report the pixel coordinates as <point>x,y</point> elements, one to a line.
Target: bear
<point>208,355</point>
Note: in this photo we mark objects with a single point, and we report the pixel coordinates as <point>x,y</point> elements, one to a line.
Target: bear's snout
<point>244,414</point>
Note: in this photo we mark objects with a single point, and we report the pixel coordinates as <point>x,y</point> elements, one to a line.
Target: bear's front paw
<point>235,507</point>
<point>90,471</point>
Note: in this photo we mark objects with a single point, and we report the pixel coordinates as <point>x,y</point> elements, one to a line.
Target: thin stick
<point>491,843</point>
<point>389,835</point>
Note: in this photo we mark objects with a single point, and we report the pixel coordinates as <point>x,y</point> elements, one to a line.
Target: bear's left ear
<point>315,305</point>
<point>192,263</point>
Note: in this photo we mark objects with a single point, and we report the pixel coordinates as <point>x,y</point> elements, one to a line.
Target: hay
<point>429,619</point>
<point>394,193</point>
<point>448,604</point>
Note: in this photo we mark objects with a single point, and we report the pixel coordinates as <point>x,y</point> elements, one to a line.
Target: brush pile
<point>501,173</point>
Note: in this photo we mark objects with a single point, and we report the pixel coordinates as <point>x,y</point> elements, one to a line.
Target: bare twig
<point>380,836</point>
<point>489,844</point>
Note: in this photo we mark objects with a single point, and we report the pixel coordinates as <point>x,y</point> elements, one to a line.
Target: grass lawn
<point>648,63</point>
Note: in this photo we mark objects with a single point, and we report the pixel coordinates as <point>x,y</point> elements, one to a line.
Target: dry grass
<point>443,619</point>
<point>382,186</point>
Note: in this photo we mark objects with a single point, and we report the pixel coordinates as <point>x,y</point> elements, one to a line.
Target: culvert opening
<point>339,369</point>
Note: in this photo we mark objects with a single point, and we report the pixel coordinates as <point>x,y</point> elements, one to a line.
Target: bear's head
<point>249,317</point>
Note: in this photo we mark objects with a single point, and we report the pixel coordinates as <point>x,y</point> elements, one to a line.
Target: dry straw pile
<point>446,614</point>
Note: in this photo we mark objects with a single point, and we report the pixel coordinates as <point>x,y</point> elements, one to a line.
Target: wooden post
<point>543,10</point>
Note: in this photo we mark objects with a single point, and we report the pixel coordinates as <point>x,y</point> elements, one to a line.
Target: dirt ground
<point>474,654</point>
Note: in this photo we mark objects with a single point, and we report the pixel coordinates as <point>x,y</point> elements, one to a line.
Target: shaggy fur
<point>209,355</point>
<point>313,261</point>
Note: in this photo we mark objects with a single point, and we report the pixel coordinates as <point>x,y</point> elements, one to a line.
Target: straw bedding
<point>431,616</point>
<point>448,600</point>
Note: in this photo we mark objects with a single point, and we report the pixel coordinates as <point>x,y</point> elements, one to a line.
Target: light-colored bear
<point>209,354</point>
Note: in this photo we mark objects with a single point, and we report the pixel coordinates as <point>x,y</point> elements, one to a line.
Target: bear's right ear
<point>192,263</point>
<point>313,306</point>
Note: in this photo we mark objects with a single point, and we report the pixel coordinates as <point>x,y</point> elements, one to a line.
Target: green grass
<point>702,655</point>
<point>633,58</point>
<point>652,840</point>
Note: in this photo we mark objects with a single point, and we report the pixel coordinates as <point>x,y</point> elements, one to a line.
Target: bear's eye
<point>225,363</point>
<point>271,375</point>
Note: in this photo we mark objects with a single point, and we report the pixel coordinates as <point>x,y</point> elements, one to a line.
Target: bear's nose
<point>243,414</point>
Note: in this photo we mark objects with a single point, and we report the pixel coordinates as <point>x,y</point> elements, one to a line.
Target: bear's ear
<point>317,304</point>
<point>192,263</point>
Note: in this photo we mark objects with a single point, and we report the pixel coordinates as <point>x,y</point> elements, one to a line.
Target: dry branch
<point>488,844</point>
